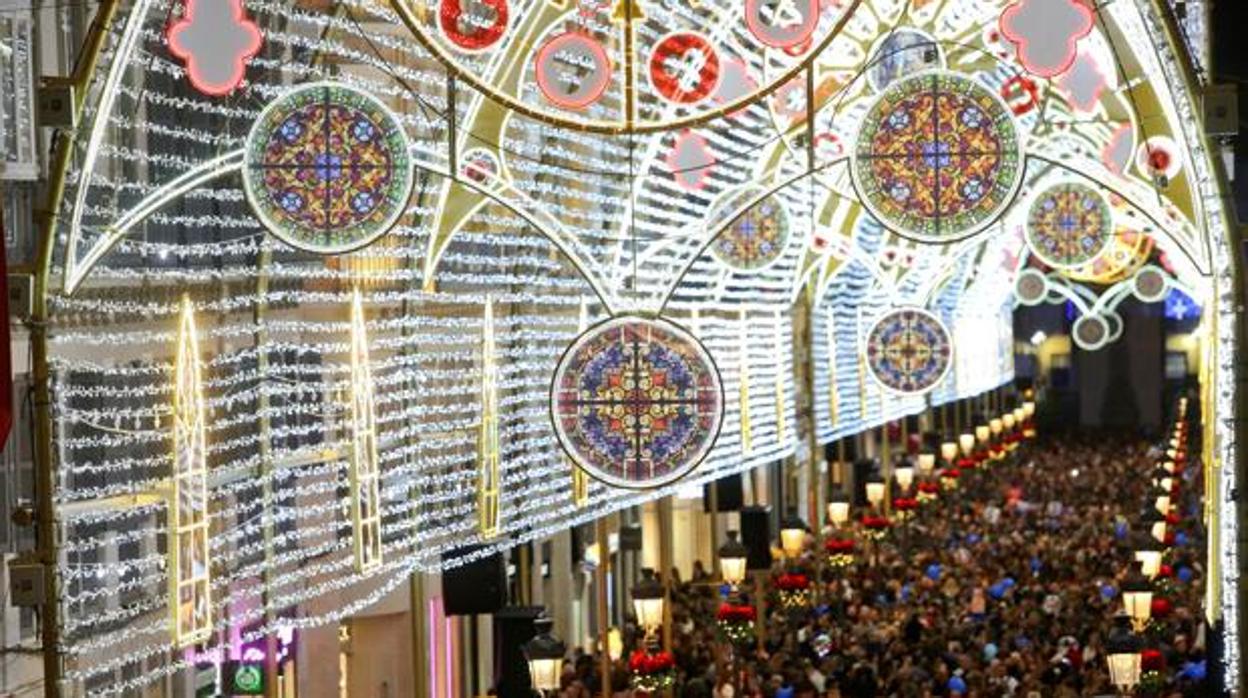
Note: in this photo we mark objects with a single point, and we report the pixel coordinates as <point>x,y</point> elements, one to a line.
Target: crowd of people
<point>1006,586</point>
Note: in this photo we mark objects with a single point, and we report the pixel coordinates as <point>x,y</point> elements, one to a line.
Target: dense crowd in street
<point>1006,586</point>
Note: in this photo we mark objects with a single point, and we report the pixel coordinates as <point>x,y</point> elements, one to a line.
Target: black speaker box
<point>476,587</point>
<point>630,537</point>
<point>756,536</point>
<point>730,493</point>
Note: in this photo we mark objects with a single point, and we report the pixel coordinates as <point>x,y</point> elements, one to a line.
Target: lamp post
<point>1137,599</point>
<point>1122,654</point>
<point>927,463</point>
<point>1148,553</point>
<point>649,598</point>
<point>838,509</point>
<point>875,490</point>
<point>732,562</point>
<point>793,536</point>
<point>1152,521</point>
<point>545,654</point>
<point>905,477</point>
<point>949,451</point>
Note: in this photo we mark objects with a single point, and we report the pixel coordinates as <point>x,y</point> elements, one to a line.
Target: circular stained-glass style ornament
<point>909,350</point>
<point>937,158</point>
<point>1069,225</point>
<point>327,168</point>
<point>684,67</point>
<point>637,402</point>
<point>756,238</point>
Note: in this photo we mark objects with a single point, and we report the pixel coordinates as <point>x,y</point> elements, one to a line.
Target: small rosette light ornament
<point>652,671</point>
<point>735,622</point>
<point>876,526</point>
<point>793,590</point>
<point>840,552</point>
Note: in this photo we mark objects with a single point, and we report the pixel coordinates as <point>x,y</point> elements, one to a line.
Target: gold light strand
<point>580,481</point>
<point>190,603</point>
<point>743,385</point>
<point>833,397</point>
<point>487,441</point>
<point>365,476</point>
<point>782,408</point>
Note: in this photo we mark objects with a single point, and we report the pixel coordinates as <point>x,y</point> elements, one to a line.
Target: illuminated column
<point>487,441</point>
<point>190,602</point>
<point>743,385</point>
<point>782,407</point>
<point>580,481</point>
<point>365,475</point>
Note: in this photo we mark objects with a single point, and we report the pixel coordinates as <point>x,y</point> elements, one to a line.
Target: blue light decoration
<point>1180,306</point>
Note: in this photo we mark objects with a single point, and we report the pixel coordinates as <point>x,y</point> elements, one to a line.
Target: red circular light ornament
<point>782,23</point>
<point>473,25</point>
<point>684,67</point>
<point>572,70</point>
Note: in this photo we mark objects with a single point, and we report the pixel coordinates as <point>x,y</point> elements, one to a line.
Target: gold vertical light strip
<point>833,396</point>
<point>190,603</point>
<point>487,439</point>
<point>580,481</point>
<point>782,407</point>
<point>365,474</point>
<point>743,385</point>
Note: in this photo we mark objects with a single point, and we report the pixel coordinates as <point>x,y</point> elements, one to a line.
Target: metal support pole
<point>886,465</point>
<point>420,649</point>
<point>47,548</point>
<point>665,564</point>
<point>714,501</point>
<point>604,625</point>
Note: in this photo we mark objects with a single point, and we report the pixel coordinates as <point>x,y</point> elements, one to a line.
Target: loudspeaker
<point>862,471</point>
<point>630,537</point>
<point>729,492</point>
<point>476,587</point>
<point>756,536</point>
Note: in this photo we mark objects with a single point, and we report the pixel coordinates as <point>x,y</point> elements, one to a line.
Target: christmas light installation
<point>743,386</point>
<point>365,475</point>
<point>190,567</point>
<point>909,350</point>
<point>216,39</point>
<point>488,472</point>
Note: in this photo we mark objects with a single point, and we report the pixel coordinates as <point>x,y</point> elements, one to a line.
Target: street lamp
<point>995,426</point>
<point>967,442</point>
<point>1152,521</point>
<point>1137,599</point>
<point>732,561</point>
<point>905,477</point>
<point>1019,416</point>
<point>949,451</point>
<point>1122,653</point>
<point>1148,553</point>
<point>545,655</point>
<point>1029,409</point>
<point>648,599</point>
<point>927,463</point>
<point>838,509</point>
<point>875,490</point>
<point>982,433</point>
<point>792,536</point>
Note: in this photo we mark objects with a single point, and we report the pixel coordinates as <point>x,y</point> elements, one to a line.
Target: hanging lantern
<point>1148,553</point>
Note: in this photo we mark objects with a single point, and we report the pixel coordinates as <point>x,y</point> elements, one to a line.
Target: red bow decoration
<point>735,614</point>
<point>792,582</point>
<point>929,488</point>
<point>875,523</point>
<point>905,504</point>
<point>1161,607</point>
<point>1152,660</point>
<point>642,662</point>
<point>839,546</point>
